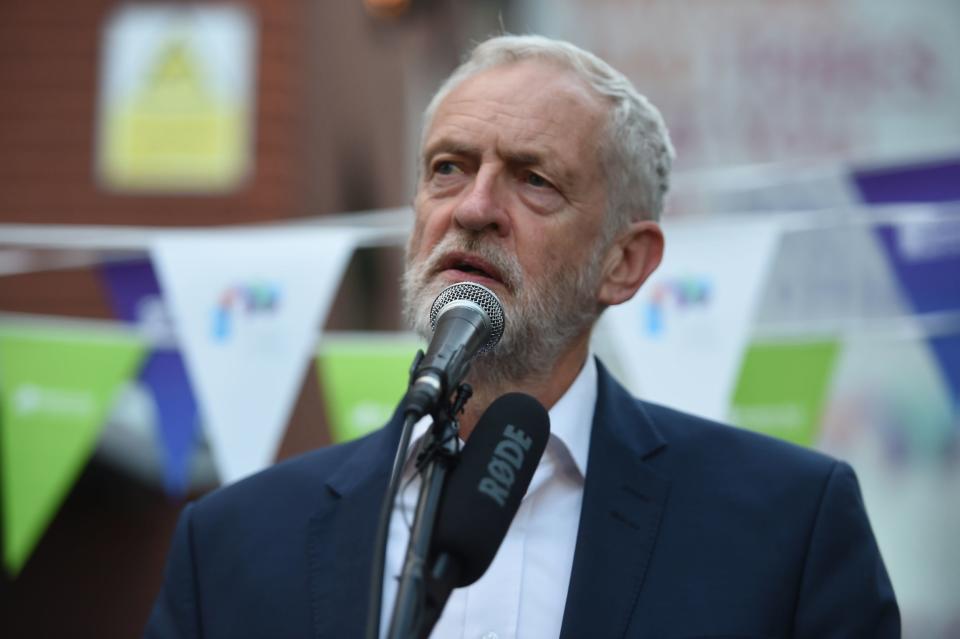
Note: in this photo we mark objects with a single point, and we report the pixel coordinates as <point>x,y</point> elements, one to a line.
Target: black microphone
<point>467,320</point>
<point>483,494</point>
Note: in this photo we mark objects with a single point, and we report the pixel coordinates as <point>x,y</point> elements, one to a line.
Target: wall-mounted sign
<point>176,98</point>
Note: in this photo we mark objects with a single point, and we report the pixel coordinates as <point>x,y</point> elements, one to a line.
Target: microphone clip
<point>460,399</point>
<point>445,430</point>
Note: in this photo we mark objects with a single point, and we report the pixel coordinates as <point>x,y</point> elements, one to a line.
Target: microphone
<point>483,494</point>
<point>467,319</point>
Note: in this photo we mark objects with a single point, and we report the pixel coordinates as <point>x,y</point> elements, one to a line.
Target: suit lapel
<point>622,504</point>
<point>342,533</point>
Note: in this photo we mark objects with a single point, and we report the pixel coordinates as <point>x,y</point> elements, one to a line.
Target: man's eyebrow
<point>525,158</point>
<point>449,145</point>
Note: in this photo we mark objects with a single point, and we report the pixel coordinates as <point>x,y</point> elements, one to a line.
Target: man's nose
<point>484,205</point>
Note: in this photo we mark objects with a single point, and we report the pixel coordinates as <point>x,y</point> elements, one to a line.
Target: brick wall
<point>49,75</point>
<point>329,137</point>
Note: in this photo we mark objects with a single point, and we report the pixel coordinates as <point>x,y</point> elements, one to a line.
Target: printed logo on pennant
<point>679,296</point>
<point>244,303</point>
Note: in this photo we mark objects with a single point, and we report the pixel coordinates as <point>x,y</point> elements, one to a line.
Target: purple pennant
<point>925,256</point>
<point>947,350</point>
<point>934,181</point>
<point>166,377</point>
<point>136,298</point>
<point>926,259</point>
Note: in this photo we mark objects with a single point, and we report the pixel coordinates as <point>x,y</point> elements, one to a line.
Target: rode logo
<point>508,458</point>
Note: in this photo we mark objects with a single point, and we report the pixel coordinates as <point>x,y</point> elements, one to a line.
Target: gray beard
<point>541,320</point>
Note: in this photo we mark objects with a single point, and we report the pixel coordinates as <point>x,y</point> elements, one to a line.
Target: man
<point>542,175</point>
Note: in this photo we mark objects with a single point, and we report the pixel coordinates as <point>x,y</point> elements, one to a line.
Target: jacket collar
<point>623,500</point>
<point>342,533</point>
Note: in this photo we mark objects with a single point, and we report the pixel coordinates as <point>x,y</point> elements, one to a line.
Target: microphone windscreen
<point>486,302</point>
<point>484,491</point>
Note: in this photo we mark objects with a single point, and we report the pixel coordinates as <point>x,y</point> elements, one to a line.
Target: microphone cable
<point>383,529</point>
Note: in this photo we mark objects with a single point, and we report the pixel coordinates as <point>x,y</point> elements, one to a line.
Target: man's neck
<point>547,389</point>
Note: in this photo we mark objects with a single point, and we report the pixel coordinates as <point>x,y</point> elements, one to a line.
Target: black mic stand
<point>434,463</point>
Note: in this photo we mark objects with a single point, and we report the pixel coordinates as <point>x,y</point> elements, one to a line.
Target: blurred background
<point>148,353</point>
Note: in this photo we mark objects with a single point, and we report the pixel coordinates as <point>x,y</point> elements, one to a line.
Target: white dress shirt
<point>524,591</point>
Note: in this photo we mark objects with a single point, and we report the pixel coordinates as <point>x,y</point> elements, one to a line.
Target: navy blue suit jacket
<point>688,529</point>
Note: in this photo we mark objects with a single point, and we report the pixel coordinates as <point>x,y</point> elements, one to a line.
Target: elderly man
<point>542,175</point>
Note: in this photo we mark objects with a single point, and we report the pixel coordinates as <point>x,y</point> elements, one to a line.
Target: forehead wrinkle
<point>523,134</point>
<point>504,120</point>
<point>448,144</point>
<point>532,144</point>
<point>496,106</point>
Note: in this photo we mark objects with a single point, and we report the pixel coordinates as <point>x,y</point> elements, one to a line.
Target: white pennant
<point>681,338</point>
<point>247,306</point>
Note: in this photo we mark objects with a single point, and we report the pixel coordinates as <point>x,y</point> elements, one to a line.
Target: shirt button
<point>490,635</point>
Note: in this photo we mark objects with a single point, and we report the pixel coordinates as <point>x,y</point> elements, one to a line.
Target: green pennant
<point>56,388</point>
<point>363,380</point>
<point>783,387</point>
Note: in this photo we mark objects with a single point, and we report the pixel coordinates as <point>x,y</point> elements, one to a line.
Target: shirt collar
<point>571,418</point>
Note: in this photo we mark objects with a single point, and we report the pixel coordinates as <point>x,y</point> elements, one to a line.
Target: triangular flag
<point>247,307</point>
<point>783,387</point>
<point>135,297</point>
<point>681,337</point>
<point>363,378</point>
<point>936,180</point>
<point>176,412</point>
<point>57,387</point>
<point>946,348</point>
<point>925,256</point>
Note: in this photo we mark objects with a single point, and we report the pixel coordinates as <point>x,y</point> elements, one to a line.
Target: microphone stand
<point>434,464</point>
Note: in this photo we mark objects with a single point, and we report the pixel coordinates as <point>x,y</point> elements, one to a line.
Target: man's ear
<point>633,256</point>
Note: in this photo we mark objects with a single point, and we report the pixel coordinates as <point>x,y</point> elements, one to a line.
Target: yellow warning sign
<point>172,125</point>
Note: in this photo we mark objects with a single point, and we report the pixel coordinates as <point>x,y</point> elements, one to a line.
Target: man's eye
<point>445,167</point>
<point>533,179</point>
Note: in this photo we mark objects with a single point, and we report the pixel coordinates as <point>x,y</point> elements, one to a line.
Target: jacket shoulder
<point>695,443</point>
<point>733,464</point>
<point>293,485</point>
<point>702,435</point>
<point>694,435</point>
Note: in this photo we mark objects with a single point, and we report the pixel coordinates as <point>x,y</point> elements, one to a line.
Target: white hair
<point>637,153</point>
